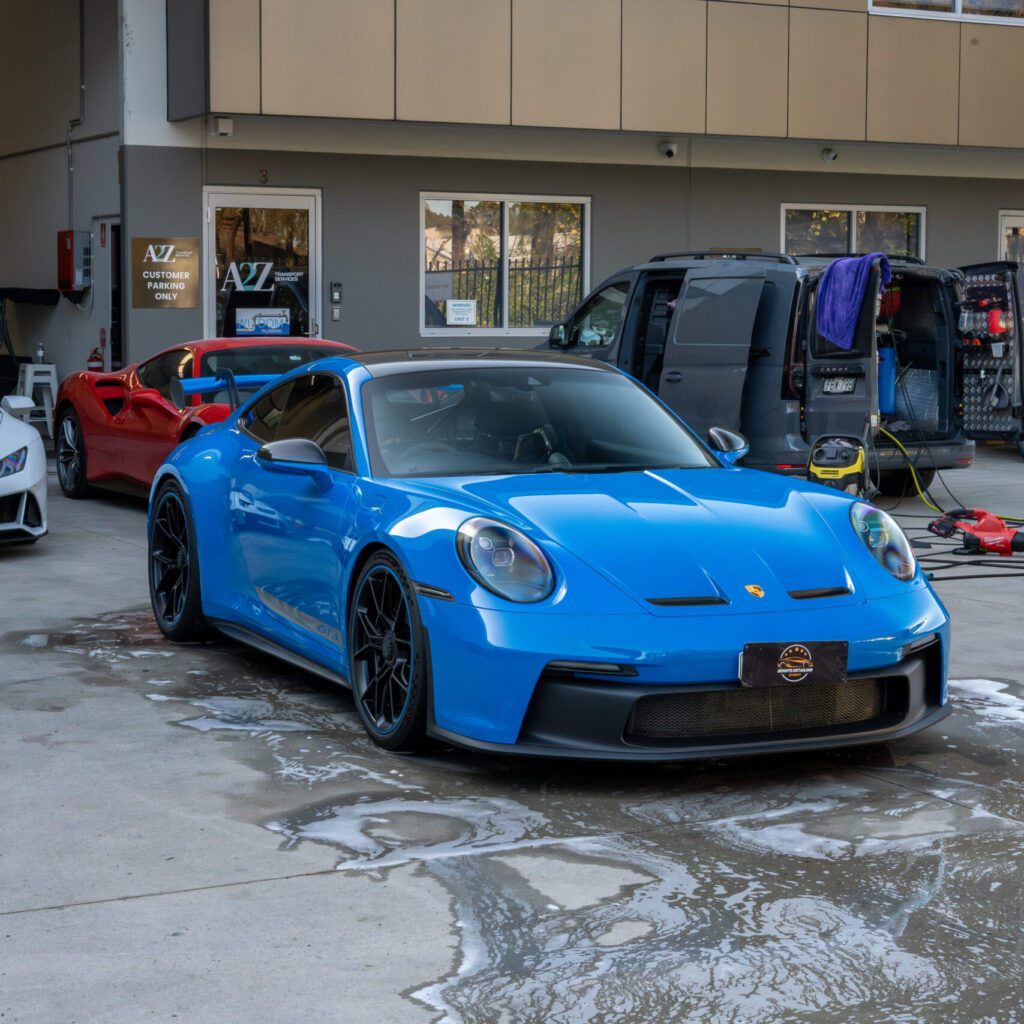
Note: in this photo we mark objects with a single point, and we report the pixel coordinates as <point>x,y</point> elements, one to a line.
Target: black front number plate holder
<point>787,664</point>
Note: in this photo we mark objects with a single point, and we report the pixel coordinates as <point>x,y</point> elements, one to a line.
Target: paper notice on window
<point>461,312</point>
<point>262,321</point>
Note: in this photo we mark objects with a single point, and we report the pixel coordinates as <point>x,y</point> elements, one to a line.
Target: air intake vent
<point>810,595</point>
<point>685,602</point>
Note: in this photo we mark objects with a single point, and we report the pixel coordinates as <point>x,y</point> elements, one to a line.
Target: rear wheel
<point>174,568</point>
<point>898,483</point>
<point>387,656</point>
<point>71,461</point>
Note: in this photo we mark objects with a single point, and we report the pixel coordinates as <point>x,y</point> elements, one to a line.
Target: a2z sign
<point>249,276</point>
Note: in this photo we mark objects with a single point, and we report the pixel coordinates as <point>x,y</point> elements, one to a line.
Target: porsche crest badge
<point>753,588</point>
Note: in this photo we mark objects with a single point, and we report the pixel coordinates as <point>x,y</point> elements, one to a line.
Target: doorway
<point>1011,236</point>
<point>261,262</point>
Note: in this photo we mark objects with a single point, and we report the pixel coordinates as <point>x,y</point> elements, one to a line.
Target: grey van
<point>729,339</point>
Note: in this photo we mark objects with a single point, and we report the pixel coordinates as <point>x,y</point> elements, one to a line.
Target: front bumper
<point>23,513</point>
<point>494,686</point>
<point>586,718</point>
<point>883,456</point>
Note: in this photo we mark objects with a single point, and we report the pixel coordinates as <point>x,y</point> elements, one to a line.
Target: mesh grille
<point>9,505</point>
<point>679,716</point>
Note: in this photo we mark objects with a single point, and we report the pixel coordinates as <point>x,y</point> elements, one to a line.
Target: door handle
<point>674,377</point>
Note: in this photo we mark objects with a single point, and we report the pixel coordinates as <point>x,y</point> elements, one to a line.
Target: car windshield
<point>497,420</point>
<point>258,359</point>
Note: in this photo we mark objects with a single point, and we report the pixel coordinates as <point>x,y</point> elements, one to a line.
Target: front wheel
<point>71,464</point>
<point>387,656</point>
<point>174,568</point>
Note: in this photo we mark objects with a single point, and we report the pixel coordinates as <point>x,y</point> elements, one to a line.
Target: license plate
<point>839,385</point>
<point>786,664</point>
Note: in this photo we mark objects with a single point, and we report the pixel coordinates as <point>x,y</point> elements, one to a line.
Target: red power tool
<point>987,531</point>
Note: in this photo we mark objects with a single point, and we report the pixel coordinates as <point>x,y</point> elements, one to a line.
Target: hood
<point>681,538</point>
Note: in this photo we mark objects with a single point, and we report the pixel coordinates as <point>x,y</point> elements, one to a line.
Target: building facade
<point>402,173</point>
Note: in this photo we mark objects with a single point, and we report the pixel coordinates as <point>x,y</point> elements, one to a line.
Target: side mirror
<point>556,337</point>
<point>146,398</point>
<point>17,405</point>
<point>296,456</point>
<point>729,445</point>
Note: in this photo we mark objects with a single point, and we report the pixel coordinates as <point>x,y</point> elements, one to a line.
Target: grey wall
<point>741,208</point>
<point>371,224</point>
<point>371,219</point>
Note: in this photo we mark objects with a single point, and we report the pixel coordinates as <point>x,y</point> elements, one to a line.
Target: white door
<point>261,262</point>
<point>1011,235</point>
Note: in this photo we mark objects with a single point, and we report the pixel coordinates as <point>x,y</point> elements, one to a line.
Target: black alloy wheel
<point>174,568</point>
<point>70,445</point>
<point>387,661</point>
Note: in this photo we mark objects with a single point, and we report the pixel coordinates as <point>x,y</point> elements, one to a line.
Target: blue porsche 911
<point>528,553</point>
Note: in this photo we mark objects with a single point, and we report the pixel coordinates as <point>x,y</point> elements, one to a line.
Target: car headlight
<point>884,539</point>
<point>504,560</point>
<point>14,463</point>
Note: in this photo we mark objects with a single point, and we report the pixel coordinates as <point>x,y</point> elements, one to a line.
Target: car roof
<point>214,344</point>
<point>394,361</point>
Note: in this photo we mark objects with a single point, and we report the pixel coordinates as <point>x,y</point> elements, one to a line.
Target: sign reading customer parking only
<point>165,273</point>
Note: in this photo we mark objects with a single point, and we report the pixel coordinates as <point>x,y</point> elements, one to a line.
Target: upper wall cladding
<point>40,72</point>
<point>809,69</point>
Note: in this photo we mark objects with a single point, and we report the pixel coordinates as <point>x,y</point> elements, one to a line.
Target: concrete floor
<point>201,834</point>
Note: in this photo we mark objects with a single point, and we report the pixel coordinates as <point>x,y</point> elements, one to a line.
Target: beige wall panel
<point>664,65</point>
<point>565,63</point>
<point>235,56</point>
<point>747,65</point>
<point>827,46</point>
<point>38,72</point>
<point>860,6</point>
<point>913,72</point>
<point>988,56</point>
<point>329,58</point>
<point>454,61</point>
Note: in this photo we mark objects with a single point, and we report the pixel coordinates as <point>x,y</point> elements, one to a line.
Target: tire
<point>387,656</point>
<point>174,568</point>
<point>898,483</point>
<point>71,457</point>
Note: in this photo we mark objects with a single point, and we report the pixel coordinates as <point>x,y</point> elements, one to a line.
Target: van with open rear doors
<point>730,339</point>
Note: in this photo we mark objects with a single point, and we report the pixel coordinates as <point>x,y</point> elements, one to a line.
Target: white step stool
<point>38,381</point>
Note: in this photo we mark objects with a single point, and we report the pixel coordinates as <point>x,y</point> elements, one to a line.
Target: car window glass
<point>157,372</point>
<point>519,419</point>
<point>257,359</point>
<point>316,409</point>
<point>261,420</point>
<point>595,324</point>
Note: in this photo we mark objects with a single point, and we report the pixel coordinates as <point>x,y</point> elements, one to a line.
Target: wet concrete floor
<point>202,833</point>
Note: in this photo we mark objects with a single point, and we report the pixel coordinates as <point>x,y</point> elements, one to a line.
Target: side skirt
<point>261,643</point>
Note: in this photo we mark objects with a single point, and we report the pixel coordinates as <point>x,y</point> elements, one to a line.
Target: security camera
<point>829,155</point>
<point>668,149</point>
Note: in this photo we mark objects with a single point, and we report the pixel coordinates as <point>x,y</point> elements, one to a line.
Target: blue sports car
<point>528,553</point>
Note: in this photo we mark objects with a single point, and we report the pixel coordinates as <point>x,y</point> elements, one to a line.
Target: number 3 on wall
<point>262,176</point>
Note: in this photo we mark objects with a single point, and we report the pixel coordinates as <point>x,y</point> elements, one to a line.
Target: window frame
<point>921,211</point>
<point>503,198</point>
<point>955,15</point>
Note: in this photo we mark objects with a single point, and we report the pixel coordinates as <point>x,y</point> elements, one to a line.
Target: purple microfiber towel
<point>841,294</point>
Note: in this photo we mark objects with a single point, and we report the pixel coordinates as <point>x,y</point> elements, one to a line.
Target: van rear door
<point>706,358</point>
<point>841,385</point>
<point>989,326</point>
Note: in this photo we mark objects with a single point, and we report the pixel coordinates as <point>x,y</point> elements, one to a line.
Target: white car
<point>22,473</point>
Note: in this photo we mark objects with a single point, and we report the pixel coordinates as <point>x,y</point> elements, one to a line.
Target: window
<point>597,321</point>
<point>996,11</point>
<point>156,373</point>
<point>501,264</point>
<point>262,419</point>
<point>316,409</point>
<point>312,407</point>
<point>837,229</point>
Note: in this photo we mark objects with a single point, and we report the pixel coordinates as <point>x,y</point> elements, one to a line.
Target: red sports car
<point>114,429</point>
